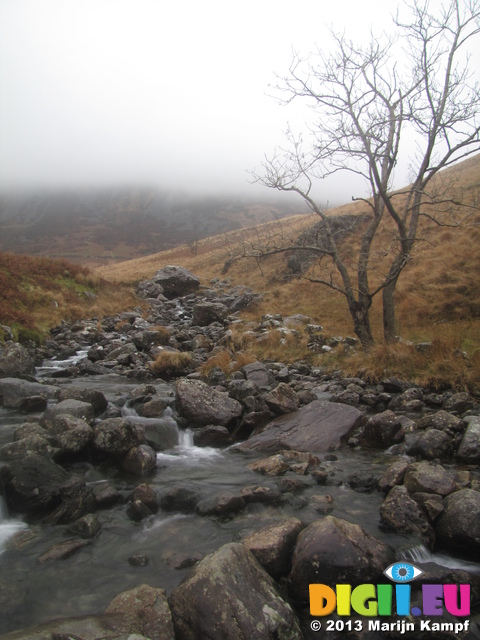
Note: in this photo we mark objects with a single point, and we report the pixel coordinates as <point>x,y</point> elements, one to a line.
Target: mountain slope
<point>115,224</point>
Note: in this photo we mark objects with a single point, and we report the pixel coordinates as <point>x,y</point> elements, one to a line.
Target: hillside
<point>38,293</point>
<point>438,295</point>
<point>104,225</point>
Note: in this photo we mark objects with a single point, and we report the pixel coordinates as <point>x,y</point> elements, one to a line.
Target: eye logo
<point>402,572</point>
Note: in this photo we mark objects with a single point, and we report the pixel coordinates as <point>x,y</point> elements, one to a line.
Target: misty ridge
<point>115,223</point>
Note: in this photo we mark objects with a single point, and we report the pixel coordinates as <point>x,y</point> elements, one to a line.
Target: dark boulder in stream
<point>334,551</point>
<point>459,525</point>
<point>318,426</point>
<point>203,405</point>
<point>15,361</point>
<point>229,596</point>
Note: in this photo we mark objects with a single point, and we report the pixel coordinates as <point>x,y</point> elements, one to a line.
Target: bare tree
<point>366,100</point>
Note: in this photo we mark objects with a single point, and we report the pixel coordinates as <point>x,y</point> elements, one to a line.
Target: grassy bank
<point>37,293</point>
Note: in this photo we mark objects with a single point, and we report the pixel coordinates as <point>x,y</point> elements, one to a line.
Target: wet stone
<point>138,560</point>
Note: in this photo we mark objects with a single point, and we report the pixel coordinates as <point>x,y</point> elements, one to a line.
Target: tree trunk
<point>389,331</point>
<point>361,323</point>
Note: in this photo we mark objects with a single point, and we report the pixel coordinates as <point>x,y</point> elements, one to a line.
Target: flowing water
<point>87,581</point>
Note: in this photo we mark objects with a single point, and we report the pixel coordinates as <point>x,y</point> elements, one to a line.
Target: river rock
<point>32,484</point>
<point>76,408</point>
<point>258,373</point>
<point>393,475</point>
<point>147,611</point>
<point>334,551</point>
<point>15,361</point>
<point>176,281</point>
<point>205,313</point>
<point>382,430</point>
<point>469,449</point>
<point>272,466</point>
<point>431,444</point>
<point>203,405</point>
<point>265,495</point>
<point>443,421</point>
<point>402,513</point>
<point>282,399</point>
<point>92,396</point>
<point>15,394</point>
<point>34,444</point>
<point>229,596</point>
<point>273,545</point>
<point>224,503</point>
<point>212,436</point>
<point>458,527</point>
<point>160,433</point>
<point>71,434</point>
<point>87,526</point>
<point>115,436</point>
<point>154,407</point>
<point>319,426</point>
<point>140,460</point>
<point>62,550</point>
<point>429,477</point>
<point>182,499</point>
<point>459,402</point>
<point>76,500</point>
<point>431,503</point>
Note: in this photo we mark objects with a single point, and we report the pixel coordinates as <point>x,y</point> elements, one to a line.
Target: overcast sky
<point>154,91</point>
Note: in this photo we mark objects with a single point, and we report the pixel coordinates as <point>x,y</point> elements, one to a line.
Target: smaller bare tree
<point>365,101</point>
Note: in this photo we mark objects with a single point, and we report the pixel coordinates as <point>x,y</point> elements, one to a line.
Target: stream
<point>87,581</point>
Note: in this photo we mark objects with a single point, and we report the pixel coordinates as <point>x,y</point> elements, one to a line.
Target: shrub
<point>172,364</point>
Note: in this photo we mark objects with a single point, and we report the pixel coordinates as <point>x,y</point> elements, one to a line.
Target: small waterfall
<point>8,527</point>
<point>56,365</point>
<point>422,555</point>
<point>185,439</point>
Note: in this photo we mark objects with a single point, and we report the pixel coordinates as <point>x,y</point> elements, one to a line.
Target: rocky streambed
<point>224,497</point>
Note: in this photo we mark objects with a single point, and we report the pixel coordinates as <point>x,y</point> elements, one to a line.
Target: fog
<point>174,94</point>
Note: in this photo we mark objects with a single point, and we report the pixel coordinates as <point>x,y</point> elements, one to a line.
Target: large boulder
<point>319,426</point>
<point>258,373</point>
<point>14,392</point>
<point>140,460</point>
<point>469,449</point>
<point>273,545</point>
<point>458,527</point>
<point>283,399</point>
<point>35,485</point>
<point>202,405</point>
<point>333,551</point>
<point>204,313</point>
<point>71,434</point>
<point>15,361</point>
<point>229,596</point>
<point>400,512</point>
<point>115,437</point>
<point>75,408</point>
<point>429,477</point>
<point>430,444</point>
<point>92,396</point>
<point>32,484</point>
<point>176,281</point>
<point>382,430</point>
<point>146,610</point>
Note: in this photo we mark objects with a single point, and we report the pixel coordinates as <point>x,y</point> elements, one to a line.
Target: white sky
<point>142,91</point>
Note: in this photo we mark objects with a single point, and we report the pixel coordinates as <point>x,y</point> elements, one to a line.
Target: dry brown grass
<point>438,294</point>
<point>37,293</point>
<point>227,361</point>
<point>169,364</point>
